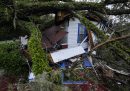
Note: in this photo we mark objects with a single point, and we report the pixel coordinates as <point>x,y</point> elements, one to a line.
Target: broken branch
<point>110,40</point>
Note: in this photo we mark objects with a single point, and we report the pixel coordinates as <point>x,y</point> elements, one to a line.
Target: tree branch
<point>115,1</point>
<point>118,11</point>
<point>41,8</point>
<point>117,71</point>
<point>52,7</point>
<point>108,41</point>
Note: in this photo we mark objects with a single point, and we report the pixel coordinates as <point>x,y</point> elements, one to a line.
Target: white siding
<point>73,34</point>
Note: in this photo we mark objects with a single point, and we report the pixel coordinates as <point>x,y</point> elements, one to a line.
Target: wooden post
<point>91,45</point>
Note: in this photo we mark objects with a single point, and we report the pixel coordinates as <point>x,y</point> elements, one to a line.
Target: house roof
<point>51,36</point>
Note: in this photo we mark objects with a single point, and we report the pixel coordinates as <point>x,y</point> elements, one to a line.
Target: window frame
<point>85,32</point>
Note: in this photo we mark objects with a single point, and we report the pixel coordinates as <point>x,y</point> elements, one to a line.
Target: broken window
<point>82,33</point>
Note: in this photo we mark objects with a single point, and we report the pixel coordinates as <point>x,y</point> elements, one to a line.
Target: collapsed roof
<point>51,36</point>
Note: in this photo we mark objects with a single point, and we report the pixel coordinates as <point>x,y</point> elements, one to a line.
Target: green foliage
<point>53,6</point>
<point>11,59</point>
<point>45,0</point>
<point>114,54</point>
<point>116,86</point>
<point>120,49</point>
<point>55,77</point>
<point>43,21</point>
<point>79,74</point>
<point>39,57</point>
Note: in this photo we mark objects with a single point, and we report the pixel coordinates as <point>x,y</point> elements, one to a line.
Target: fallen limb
<point>110,40</point>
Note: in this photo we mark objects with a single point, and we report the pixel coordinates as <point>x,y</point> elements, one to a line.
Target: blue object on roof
<point>86,63</point>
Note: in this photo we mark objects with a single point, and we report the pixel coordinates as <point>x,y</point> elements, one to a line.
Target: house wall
<point>73,34</point>
<point>71,39</point>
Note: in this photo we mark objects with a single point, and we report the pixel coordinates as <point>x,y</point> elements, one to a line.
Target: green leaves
<point>39,57</point>
<point>11,59</point>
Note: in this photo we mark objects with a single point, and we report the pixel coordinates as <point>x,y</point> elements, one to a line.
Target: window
<point>82,33</point>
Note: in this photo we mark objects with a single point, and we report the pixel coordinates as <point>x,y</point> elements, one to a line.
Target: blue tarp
<point>86,63</point>
<point>64,64</point>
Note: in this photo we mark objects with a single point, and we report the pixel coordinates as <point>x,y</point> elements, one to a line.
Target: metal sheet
<point>67,53</point>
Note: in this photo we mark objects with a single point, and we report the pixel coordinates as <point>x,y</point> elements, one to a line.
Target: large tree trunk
<point>41,8</point>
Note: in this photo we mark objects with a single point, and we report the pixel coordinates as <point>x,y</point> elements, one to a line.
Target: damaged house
<point>67,34</point>
<point>68,38</point>
<point>67,42</point>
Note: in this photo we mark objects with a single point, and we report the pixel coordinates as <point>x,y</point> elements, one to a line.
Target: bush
<point>11,59</point>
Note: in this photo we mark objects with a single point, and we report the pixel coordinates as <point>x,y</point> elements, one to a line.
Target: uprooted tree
<point>111,50</point>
